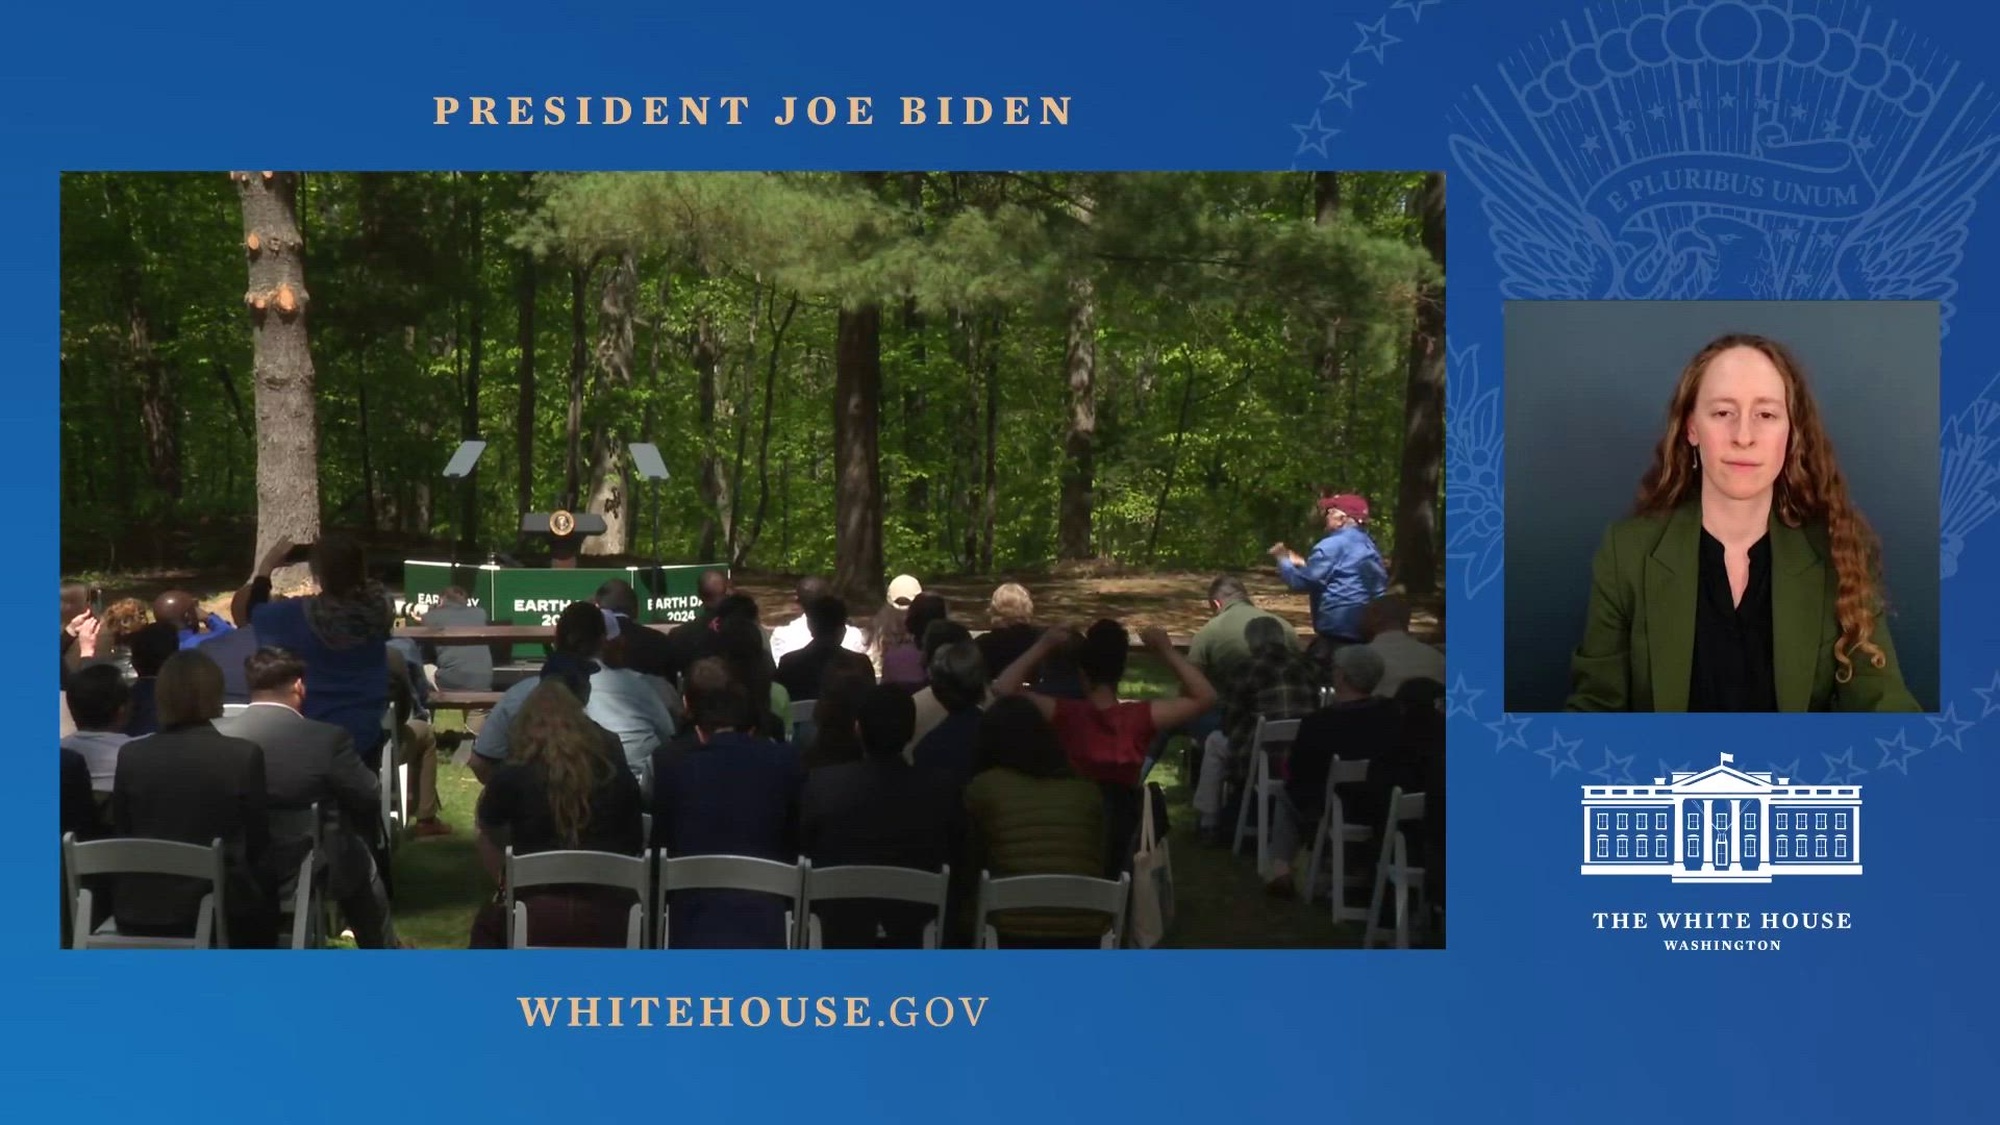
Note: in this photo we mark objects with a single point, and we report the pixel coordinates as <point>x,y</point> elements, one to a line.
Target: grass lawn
<point>1220,903</point>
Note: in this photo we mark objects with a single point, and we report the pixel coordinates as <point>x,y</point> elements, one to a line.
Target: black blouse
<point>1732,640</point>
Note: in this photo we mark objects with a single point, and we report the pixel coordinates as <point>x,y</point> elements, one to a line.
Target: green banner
<point>538,596</point>
<point>423,581</point>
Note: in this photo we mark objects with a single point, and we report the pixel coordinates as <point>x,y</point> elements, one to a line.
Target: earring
<point>1697,458</point>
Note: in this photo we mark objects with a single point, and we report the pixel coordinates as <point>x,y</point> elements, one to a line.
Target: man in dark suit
<point>801,671</point>
<point>308,762</point>
<point>193,784</point>
<point>646,649</point>
<point>687,642</point>
<point>728,793</point>
<point>880,811</point>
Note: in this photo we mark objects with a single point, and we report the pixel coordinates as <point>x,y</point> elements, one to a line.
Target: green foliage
<point>1214,292</point>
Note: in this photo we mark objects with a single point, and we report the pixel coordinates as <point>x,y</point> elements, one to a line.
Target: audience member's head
<point>837,709</point>
<point>736,606</point>
<point>741,645</point>
<point>1226,590</point>
<point>1386,614</point>
<point>939,634</point>
<point>903,589</point>
<point>339,566</point>
<point>924,609</point>
<point>826,620</point>
<point>276,676</point>
<point>98,698</point>
<point>152,646</point>
<point>580,631</point>
<point>1101,655</point>
<point>1357,669</point>
<point>712,586</point>
<point>716,699</point>
<point>959,676</point>
<point>453,595</point>
<point>1012,734</point>
<point>887,720</point>
<point>124,618</point>
<point>617,596</point>
<point>1265,632</point>
<point>177,608</point>
<point>1419,694</point>
<point>189,690</point>
<point>810,589</point>
<point>552,731</point>
<point>75,599</point>
<point>617,640</point>
<point>240,610</point>
<point>1012,605</point>
<point>890,628</point>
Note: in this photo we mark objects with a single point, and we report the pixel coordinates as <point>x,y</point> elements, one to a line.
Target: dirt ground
<point>1171,599</point>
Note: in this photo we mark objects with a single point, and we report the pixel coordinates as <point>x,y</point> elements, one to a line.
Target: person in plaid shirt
<point>1278,682</point>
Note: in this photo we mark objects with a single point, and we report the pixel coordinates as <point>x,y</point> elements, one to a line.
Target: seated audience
<point>78,813</point>
<point>80,628</point>
<point>925,610</point>
<point>797,633</point>
<point>150,649</point>
<point>883,812</point>
<point>731,793</point>
<point>192,784</point>
<point>121,623</point>
<point>831,738</point>
<point>99,705</point>
<point>801,669</point>
<point>579,640</point>
<point>1358,725</point>
<point>958,680</point>
<point>626,703</point>
<point>416,739</point>
<point>1013,632</point>
<point>1278,682</point>
<point>1028,814</point>
<point>897,653</point>
<point>307,762</point>
<point>688,641</point>
<point>230,648</point>
<point>739,643</point>
<point>929,711</point>
<point>1221,648</point>
<point>565,788</point>
<point>342,634</point>
<point>1404,658</point>
<point>461,667</point>
<point>183,611</point>
<point>645,651</point>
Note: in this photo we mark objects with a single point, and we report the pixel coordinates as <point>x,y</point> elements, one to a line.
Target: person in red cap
<point>1343,575</point>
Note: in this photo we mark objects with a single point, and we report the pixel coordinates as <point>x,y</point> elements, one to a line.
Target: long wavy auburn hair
<point>552,729</point>
<point>1809,489</point>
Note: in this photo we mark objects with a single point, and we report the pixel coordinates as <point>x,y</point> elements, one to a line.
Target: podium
<point>566,532</point>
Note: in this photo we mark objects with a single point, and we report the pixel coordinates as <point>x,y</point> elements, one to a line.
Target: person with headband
<point>1745,580</point>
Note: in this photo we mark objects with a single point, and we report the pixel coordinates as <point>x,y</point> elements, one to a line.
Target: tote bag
<point>1152,879</point>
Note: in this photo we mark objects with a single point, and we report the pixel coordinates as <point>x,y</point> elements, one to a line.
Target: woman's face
<point>1740,424</point>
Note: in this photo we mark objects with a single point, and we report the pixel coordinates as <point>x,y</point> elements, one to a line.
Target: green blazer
<point>1638,644</point>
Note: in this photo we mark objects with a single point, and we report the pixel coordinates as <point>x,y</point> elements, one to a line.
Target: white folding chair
<point>1052,892</point>
<point>1394,870</point>
<point>1331,839</point>
<point>144,857</point>
<point>1263,786</point>
<point>302,900</point>
<point>730,873</point>
<point>801,719</point>
<point>897,884</point>
<point>395,778</point>
<point>598,869</point>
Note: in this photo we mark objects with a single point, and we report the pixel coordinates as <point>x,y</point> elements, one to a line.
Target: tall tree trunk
<point>917,481</point>
<point>1416,550</point>
<point>610,490</point>
<point>990,502</point>
<point>159,415</point>
<point>764,434</point>
<point>1173,465</point>
<point>1327,213</point>
<point>707,356</point>
<point>468,520</point>
<point>1080,443</point>
<point>524,409</point>
<point>287,430</point>
<point>857,407</point>
<point>374,517</point>
<point>579,361</point>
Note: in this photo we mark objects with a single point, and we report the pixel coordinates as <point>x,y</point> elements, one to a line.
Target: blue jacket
<point>347,686</point>
<point>1343,574</point>
<point>216,627</point>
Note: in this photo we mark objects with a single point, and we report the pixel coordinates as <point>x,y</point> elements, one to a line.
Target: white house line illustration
<point>1722,825</point>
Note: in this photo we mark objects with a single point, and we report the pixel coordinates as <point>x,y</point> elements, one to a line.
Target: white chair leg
<point>1312,866</point>
<point>1265,802</point>
<point>1375,900</point>
<point>1243,809</point>
<point>1402,914</point>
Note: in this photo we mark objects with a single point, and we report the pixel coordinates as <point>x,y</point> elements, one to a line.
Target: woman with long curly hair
<point>1745,580</point>
<point>564,787</point>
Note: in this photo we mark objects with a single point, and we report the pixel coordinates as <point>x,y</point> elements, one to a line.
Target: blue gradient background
<point>1531,1015</point>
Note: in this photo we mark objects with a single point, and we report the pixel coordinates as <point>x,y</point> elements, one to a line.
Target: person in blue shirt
<point>1344,573</point>
<point>183,610</point>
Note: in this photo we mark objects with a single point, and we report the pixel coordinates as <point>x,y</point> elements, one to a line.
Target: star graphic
<point>1668,771</point>
<point>1382,39</point>
<point>1341,85</point>
<point>1309,131</point>
<point>1460,697</point>
<point>1798,113</point>
<point>1611,762</point>
<point>1864,144</point>
<point>1414,7</point>
<point>1624,128</point>
<point>1508,728</point>
<point>1824,238</point>
<point>1778,771</point>
<point>1830,127</point>
<point>1561,753</point>
<point>1989,696</point>
<point>1841,769</point>
<point>1727,101</point>
<point>1949,719</point>
<point>1690,102</point>
<point>1889,756</point>
<point>1591,143</point>
<point>1657,113</point>
<point>1767,103</point>
<point>1800,277</point>
<point>1788,234</point>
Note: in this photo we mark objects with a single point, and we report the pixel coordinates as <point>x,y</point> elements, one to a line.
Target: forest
<point>848,373</point>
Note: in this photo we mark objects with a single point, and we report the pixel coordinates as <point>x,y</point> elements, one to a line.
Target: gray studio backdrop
<point>1587,384</point>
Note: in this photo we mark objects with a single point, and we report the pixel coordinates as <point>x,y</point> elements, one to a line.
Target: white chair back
<point>302,898</point>
<point>1052,892</point>
<point>803,710</point>
<point>597,869</point>
<point>731,873</point>
<point>1331,838</point>
<point>1393,870</point>
<point>897,884</point>
<point>1263,786</point>
<point>135,856</point>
